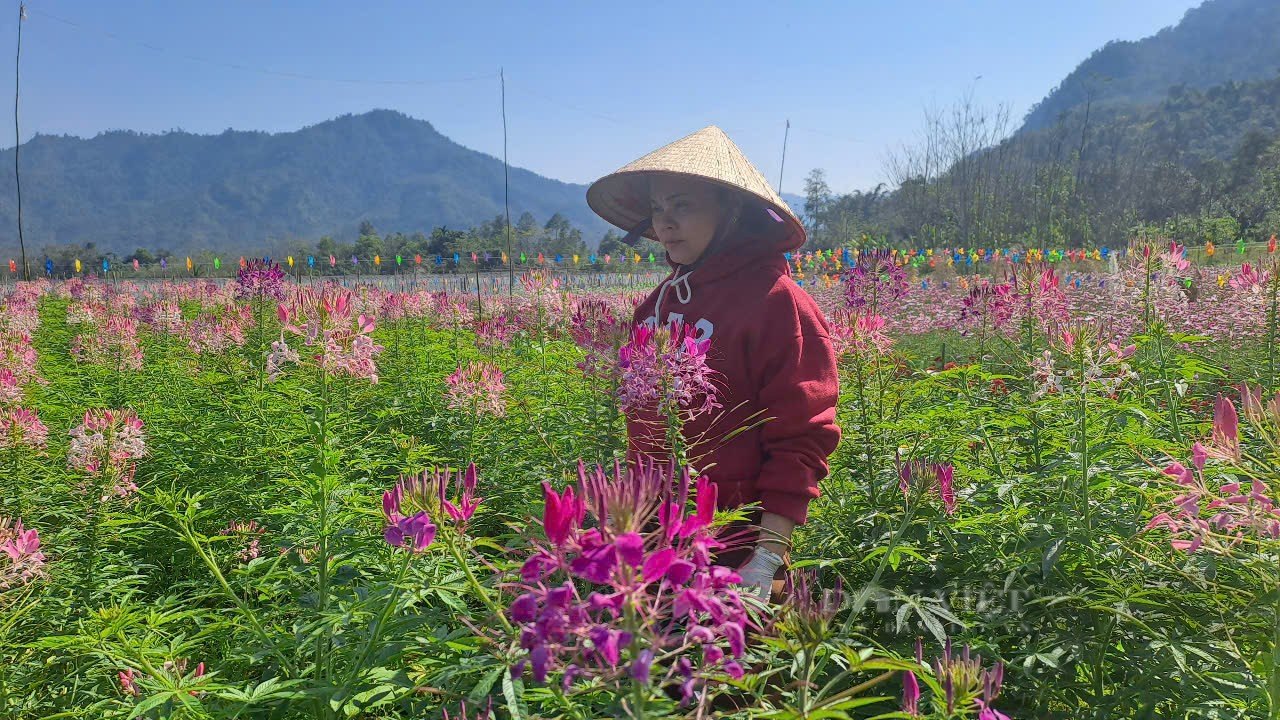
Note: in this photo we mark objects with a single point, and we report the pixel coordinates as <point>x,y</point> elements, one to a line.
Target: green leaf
<point>1051,556</point>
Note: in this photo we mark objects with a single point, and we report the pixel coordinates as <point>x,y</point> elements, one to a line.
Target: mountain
<point>245,191</point>
<point>1176,135</point>
<point>1218,41</point>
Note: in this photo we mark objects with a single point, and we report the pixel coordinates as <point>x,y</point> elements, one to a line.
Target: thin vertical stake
<point>506,187</point>
<point>17,141</point>
<point>785,136</point>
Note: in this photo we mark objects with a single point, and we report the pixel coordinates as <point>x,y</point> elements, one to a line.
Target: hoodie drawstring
<point>684,293</point>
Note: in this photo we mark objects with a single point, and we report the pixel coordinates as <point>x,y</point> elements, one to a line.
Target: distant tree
<point>142,255</point>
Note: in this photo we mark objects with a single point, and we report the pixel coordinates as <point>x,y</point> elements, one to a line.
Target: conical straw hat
<point>622,197</point>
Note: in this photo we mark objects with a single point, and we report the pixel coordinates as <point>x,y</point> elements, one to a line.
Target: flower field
<point>1057,496</point>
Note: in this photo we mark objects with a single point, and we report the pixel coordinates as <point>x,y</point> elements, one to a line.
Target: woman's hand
<point>758,571</point>
<point>775,541</point>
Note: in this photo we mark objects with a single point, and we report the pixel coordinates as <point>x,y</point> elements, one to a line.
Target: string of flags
<point>813,261</point>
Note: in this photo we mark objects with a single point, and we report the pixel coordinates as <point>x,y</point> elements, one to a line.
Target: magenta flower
<point>127,685</point>
<point>910,695</point>
<point>964,681</point>
<point>600,332</point>
<point>562,514</point>
<point>467,502</point>
<point>988,306</point>
<point>19,359</point>
<point>607,602</point>
<point>929,478</point>
<point>496,332</point>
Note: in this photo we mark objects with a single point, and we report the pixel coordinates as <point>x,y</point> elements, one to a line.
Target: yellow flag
<point>188,264</point>
<point>637,257</point>
<point>504,258</point>
<point>77,264</point>
<point>290,261</point>
<point>377,259</point>
<point>575,259</point>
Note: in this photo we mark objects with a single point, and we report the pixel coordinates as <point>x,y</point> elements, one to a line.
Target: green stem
<point>248,613</point>
<point>321,496</point>
<point>1273,682</point>
<point>1083,420</point>
<point>1170,398</point>
<point>375,634</point>
<point>481,591</point>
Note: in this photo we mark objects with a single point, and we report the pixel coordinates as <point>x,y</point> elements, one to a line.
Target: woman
<point>725,232</point>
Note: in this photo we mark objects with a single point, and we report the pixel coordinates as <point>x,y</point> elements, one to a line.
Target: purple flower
<point>597,565</point>
<point>679,571</point>
<point>539,659</point>
<point>665,371</point>
<point>657,564</point>
<point>630,549</point>
<point>639,669</point>
<point>260,279</point>
<point>417,529</point>
<point>524,609</point>
<point>644,563</point>
<point>875,282</point>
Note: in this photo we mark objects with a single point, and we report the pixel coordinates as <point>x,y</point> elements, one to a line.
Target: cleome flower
<point>477,387</point>
<point>339,338</point>
<point>106,444</point>
<point>665,370</point>
<point>928,478</point>
<point>634,599</point>
<point>20,558</point>
<point>1216,519</point>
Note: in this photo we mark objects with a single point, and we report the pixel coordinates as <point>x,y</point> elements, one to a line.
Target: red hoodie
<point>772,350</point>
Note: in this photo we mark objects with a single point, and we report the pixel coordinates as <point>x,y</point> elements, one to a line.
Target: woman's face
<point>685,215</point>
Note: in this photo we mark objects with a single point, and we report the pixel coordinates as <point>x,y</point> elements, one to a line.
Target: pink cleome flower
<point>20,556</point>
<point>477,387</point>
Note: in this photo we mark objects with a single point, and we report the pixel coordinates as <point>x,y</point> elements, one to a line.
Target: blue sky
<point>590,85</point>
